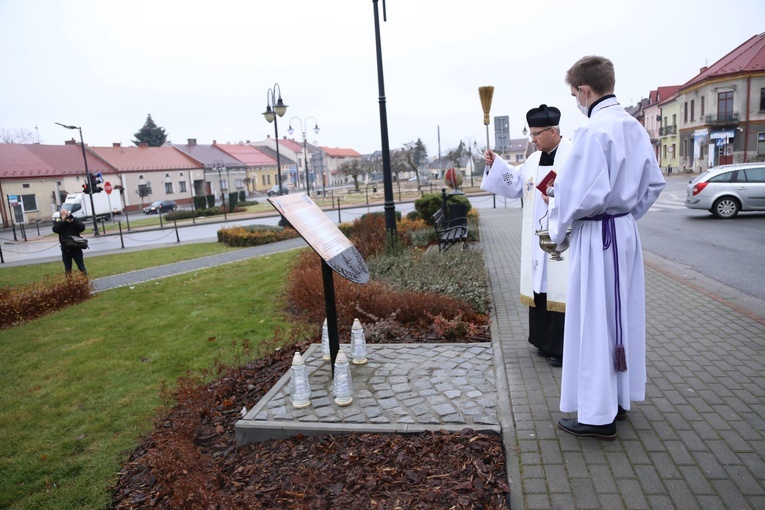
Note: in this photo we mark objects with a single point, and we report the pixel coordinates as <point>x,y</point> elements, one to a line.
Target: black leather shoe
<point>621,414</point>
<point>542,354</point>
<point>604,432</point>
<point>555,361</point>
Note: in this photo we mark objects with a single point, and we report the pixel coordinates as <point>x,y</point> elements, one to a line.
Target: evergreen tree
<point>151,134</point>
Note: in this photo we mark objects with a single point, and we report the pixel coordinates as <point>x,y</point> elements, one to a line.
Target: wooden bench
<point>452,230</point>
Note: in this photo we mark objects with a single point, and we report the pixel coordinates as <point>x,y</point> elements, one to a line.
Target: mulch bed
<point>191,459</point>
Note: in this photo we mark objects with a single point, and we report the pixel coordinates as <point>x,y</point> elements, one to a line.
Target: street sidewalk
<point>697,441</point>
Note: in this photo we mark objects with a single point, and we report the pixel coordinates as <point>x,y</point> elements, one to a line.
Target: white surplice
<point>537,273</point>
<point>611,169</point>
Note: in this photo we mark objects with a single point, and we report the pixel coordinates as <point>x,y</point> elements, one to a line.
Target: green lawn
<point>80,387</point>
<point>106,265</point>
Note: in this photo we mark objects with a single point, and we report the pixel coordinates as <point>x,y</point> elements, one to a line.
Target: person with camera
<point>67,226</point>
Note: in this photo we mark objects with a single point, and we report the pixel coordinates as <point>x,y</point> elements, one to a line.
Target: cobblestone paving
<point>697,441</point>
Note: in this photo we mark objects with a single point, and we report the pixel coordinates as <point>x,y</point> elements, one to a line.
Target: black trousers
<point>545,327</point>
<point>73,254</point>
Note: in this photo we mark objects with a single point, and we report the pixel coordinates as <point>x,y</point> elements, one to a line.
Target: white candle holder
<point>300,388</point>
<point>325,354</point>
<point>342,385</point>
<point>358,344</point>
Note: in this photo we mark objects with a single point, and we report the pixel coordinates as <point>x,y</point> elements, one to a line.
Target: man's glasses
<point>534,135</point>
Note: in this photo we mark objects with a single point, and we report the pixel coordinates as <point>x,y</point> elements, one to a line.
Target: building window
<point>664,152</point>
<point>725,106</point>
<point>168,188</point>
<point>701,106</point>
<point>685,113</point>
<point>693,110</point>
<point>761,143</point>
<point>673,149</point>
<point>762,100</point>
<point>30,202</point>
<point>182,186</point>
<point>674,119</point>
<point>239,184</point>
<point>684,148</point>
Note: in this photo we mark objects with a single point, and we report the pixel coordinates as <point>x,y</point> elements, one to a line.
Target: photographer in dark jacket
<point>67,226</point>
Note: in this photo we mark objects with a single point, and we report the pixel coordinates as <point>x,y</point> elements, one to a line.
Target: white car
<point>726,190</point>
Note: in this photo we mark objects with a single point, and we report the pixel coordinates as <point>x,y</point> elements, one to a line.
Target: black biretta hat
<point>544,116</point>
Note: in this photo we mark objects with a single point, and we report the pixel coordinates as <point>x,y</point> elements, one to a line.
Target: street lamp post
<point>470,148</point>
<point>303,124</point>
<point>218,165</point>
<point>88,180</point>
<point>275,107</point>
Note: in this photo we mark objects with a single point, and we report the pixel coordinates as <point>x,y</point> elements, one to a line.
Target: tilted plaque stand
<point>336,252</point>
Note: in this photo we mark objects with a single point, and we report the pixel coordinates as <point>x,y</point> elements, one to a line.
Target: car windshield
<point>156,204</point>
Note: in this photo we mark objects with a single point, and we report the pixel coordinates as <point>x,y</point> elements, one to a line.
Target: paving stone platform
<point>402,388</point>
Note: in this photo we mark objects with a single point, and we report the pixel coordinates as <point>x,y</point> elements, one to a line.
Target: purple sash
<point>609,238</point>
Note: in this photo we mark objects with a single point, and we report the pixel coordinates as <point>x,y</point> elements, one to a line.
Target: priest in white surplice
<point>608,182</point>
<point>543,282</point>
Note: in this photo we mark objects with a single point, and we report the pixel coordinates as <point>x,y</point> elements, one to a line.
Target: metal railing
<point>722,118</point>
<point>667,130</point>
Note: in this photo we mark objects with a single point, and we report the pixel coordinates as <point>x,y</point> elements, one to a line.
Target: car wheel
<point>726,207</point>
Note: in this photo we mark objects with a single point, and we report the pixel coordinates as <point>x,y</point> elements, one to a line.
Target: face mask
<point>584,109</point>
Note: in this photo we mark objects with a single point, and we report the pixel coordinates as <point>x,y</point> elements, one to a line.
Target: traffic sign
<point>108,187</point>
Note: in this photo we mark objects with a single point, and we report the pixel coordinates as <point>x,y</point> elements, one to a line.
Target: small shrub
<point>428,204</point>
<point>413,215</point>
<point>210,202</point>
<point>200,203</point>
<point>242,196</point>
<point>180,214</point>
<point>254,235</point>
<point>23,304</point>
<point>233,200</point>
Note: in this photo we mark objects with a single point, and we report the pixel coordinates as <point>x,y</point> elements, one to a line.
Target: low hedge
<point>254,235</point>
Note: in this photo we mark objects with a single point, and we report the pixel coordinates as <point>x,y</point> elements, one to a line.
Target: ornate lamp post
<point>218,165</point>
<point>470,147</point>
<point>275,107</point>
<point>303,124</point>
<point>88,179</point>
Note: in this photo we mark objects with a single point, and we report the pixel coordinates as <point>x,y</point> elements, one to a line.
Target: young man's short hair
<point>596,72</point>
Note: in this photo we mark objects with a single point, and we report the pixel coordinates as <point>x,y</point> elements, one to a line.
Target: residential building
<point>722,110</point>
<point>334,158</point>
<point>287,164</point>
<point>290,154</point>
<point>669,141</point>
<point>35,179</point>
<point>148,174</point>
<point>257,174</point>
<point>219,167</point>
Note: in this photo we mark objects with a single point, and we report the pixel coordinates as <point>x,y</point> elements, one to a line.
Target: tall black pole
<point>389,207</point>
<point>90,184</point>
<point>305,162</point>
<point>278,161</point>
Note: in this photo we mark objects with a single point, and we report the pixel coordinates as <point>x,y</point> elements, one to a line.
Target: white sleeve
<point>503,179</point>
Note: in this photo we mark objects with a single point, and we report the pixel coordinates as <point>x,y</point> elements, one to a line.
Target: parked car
<point>274,190</point>
<point>726,190</point>
<point>160,206</point>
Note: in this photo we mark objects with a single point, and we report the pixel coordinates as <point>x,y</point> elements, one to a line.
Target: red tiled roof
<point>747,58</point>
<point>146,158</point>
<point>340,153</point>
<point>32,160</point>
<point>291,144</point>
<point>247,154</point>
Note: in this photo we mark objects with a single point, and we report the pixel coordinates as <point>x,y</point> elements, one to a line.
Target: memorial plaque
<point>322,235</point>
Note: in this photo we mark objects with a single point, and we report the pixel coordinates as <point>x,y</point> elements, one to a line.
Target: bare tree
<point>17,136</point>
<point>353,168</point>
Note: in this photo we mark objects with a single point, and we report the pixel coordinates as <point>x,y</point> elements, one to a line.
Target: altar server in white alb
<point>543,282</point>
<point>608,182</point>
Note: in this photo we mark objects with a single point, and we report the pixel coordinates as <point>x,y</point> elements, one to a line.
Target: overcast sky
<point>202,69</point>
